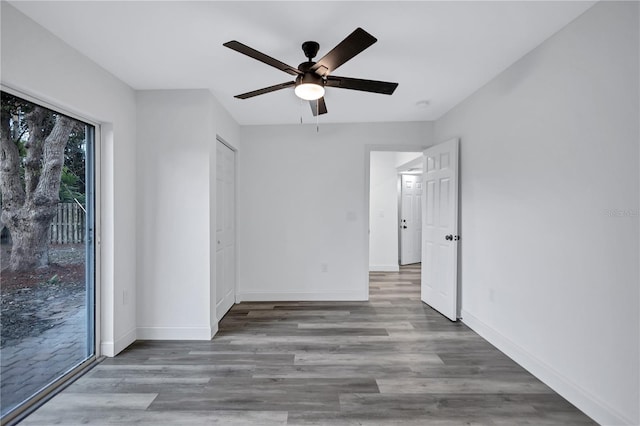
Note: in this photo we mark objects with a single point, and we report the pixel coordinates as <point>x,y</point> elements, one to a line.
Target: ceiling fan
<point>312,77</point>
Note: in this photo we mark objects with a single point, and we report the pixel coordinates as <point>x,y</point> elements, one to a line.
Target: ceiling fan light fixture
<point>309,86</point>
<point>309,91</point>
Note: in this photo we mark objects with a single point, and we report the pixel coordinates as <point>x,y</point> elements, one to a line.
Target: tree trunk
<point>33,160</point>
<point>13,196</point>
<point>29,227</point>
<point>28,213</point>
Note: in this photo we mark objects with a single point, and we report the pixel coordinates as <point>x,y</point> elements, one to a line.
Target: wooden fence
<point>68,226</point>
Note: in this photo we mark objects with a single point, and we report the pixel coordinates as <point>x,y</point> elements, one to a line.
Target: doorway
<point>386,169</point>
<point>439,286</point>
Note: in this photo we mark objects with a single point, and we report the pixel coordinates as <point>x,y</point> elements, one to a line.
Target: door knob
<point>448,237</point>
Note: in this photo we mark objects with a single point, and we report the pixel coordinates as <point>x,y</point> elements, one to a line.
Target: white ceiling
<point>437,51</point>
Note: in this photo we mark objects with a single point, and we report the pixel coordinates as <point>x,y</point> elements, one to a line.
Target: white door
<point>225,229</point>
<point>410,219</point>
<point>439,286</point>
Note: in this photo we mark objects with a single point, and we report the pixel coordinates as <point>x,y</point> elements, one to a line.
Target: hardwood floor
<point>389,361</point>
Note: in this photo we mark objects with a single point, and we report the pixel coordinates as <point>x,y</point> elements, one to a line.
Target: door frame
<point>368,149</point>
<point>235,222</point>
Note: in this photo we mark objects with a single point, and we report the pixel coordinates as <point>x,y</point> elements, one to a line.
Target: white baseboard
<point>384,268</point>
<point>123,342</point>
<point>302,297</point>
<point>214,329</point>
<point>111,349</point>
<point>585,401</point>
<point>175,333</point>
<point>106,349</point>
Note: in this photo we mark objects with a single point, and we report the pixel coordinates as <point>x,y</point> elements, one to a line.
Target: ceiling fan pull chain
<point>318,116</point>
<point>300,103</point>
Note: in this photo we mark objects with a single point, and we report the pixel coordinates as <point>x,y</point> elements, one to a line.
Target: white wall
<point>37,63</point>
<point>176,205</point>
<point>548,149</point>
<point>403,158</point>
<point>304,204</point>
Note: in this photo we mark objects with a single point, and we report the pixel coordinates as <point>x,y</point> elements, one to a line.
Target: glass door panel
<point>47,249</point>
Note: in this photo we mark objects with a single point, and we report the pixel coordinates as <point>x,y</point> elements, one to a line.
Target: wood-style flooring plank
<point>108,417</point>
<point>389,361</point>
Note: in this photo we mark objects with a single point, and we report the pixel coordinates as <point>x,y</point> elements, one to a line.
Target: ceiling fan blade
<point>266,90</point>
<point>252,53</point>
<point>318,107</point>
<point>384,87</point>
<point>355,43</point>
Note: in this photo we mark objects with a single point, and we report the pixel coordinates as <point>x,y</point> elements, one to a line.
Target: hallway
<point>391,360</point>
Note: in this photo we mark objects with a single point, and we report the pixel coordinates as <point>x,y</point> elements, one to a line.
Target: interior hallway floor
<point>389,361</point>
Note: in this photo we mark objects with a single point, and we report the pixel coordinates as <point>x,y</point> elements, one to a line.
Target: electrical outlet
<point>324,267</point>
<point>125,297</point>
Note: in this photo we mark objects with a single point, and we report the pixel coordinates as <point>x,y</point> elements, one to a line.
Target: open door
<point>439,288</point>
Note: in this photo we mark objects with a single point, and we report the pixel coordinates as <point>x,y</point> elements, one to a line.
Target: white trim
<point>44,101</point>
<point>97,234</point>
<point>106,349</point>
<point>302,297</point>
<point>111,349</point>
<point>174,333</point>
<point>384,268</point>
<point>128,338</point>
<point>213,329</point>
<point>595,408</point>
<point>105,240</point>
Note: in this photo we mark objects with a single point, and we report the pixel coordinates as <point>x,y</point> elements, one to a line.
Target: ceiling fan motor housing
<point>309,77</point>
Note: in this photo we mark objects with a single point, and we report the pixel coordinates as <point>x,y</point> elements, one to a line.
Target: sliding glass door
<point>47,250</point>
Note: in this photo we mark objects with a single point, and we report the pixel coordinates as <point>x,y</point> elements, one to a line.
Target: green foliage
<point>70,186</point>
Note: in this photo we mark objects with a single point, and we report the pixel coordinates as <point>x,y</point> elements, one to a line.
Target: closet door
<point>225,229</point>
